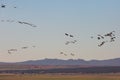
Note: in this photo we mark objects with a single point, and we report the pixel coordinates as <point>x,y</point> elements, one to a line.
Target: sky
<point>54,18</point>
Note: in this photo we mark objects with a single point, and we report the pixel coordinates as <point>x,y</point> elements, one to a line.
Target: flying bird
<point>71,36</point>
<point>102,43</point>
<point>9,52</point>
<point>24,47</point>
<point>15,7</point>
<point>101,36</point>
<point>72,54</point>
<point>98,38</point>
<point>67,42</point>
<point>92,37</point>
<point>65,54</point>
<point>27,23</point>
<point>61,53</point>
<point>110,34</point>
<point>3,6</point>
<point>66,34</point>
<point>12,50</point>
<point>112,39</point>
<point>7,21</point>
<point>74,41</point>
<point>2,20</point>
<point>20,22</point>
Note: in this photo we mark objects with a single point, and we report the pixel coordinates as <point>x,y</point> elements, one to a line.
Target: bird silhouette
<point>14,7</point>
<point>66,34</point>
<point>61,53</point>
<point>72,54</point>
<point>71,36</point>
<point>74,41</point>
<point>2,20</point>
<point>65,54</point>
<point>12,50</point>
<point>9,51</point>
<point>32,25</point>
<point>101,36</point>
<point>67,42</point>
<point>110,34</point>
<point>24,47</point>
<point>3,5</point>
<point>112,39</point>
<point>102,43</point>
<point>98,38</point>
<point>92,37</point>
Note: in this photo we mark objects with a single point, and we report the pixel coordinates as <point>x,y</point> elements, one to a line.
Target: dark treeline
<point>66,70</point>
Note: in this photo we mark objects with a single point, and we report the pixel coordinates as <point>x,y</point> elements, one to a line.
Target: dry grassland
<point>59,77</point>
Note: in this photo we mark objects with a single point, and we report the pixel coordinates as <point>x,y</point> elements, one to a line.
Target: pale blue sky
<point>82,18</point>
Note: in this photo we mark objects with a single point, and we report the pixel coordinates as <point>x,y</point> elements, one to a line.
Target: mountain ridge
<point>81,62</point>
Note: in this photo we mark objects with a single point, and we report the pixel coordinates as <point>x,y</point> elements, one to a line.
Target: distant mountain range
<point>80,62</point>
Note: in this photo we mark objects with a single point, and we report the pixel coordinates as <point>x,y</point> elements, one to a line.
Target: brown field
<point>60,76</point>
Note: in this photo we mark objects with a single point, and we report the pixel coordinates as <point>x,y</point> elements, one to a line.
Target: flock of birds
<point>62,53</point>
<point>20,22</point>
<point>13,50</point>
<point>10,51</point>
<point>108,37</point>
<point>69,42</point>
